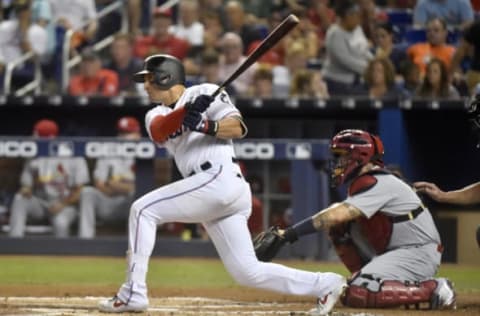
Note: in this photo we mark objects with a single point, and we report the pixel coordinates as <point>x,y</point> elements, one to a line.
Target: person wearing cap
<point>50,187</point>
<point>114,185</point>
<point>93,80</point>
<point>161,41</point>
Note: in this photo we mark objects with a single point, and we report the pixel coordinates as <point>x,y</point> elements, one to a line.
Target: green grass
<point>185,273</point>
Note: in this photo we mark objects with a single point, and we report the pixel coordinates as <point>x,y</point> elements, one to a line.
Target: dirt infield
<point>79,300</point>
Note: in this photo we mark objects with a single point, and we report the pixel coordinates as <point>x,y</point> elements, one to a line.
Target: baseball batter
<point>381,231</point>
<point>114,180</point>
<point>50,188</point>
<point>212,192</point>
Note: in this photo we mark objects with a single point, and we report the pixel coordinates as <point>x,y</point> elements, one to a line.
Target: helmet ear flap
<point>378,149</point>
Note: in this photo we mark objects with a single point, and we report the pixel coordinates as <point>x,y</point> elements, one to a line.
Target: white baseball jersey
<point>191,149</point>
<point>220,199</point>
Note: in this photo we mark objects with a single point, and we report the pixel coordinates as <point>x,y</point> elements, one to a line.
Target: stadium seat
<point>416,35</point>
<point>400,16</point>
<point>413,36</point>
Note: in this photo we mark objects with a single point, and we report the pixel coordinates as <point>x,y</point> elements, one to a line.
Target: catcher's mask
<point>474,117</point>
<point>164,71</point>
<point>351,150</point>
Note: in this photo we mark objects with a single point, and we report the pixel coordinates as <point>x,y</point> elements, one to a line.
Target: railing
<point>34,85</point>
<point>68,63</point>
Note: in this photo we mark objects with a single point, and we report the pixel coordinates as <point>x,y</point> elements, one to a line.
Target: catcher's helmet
<point>474,116</point>
<point>167,71</point>
<point>352,149</point>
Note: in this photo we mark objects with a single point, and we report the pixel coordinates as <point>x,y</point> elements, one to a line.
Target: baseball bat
<point>175,121</point>
<point>273,38</point>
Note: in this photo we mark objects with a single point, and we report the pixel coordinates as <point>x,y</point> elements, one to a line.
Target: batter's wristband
<point>210,127</point>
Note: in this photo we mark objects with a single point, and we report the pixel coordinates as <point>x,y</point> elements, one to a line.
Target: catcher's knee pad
<point>375,293</point>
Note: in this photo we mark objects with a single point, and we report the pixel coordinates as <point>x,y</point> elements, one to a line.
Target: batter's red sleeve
<point>164,125</point>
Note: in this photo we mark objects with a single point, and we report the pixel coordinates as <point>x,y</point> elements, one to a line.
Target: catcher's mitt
<point>268,243</point>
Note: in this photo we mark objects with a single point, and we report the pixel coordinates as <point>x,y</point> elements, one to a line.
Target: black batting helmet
<point>167,71</point>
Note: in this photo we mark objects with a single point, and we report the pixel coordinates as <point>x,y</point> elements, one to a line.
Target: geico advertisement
<point>246,150</point>
<point>124,149</point>
<point>13,149</point>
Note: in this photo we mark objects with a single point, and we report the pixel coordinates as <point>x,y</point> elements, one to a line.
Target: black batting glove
<point>194,121</point>
<point>201,103</point>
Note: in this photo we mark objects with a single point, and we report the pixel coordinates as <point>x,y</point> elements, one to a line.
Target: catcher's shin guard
<point>392,294</point>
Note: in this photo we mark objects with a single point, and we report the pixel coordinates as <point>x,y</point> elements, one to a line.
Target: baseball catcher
<point>382,232</point>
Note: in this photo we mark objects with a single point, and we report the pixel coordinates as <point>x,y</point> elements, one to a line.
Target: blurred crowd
<point>378,49</point>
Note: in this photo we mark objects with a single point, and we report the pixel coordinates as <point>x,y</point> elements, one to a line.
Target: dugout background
<point>426,140</point>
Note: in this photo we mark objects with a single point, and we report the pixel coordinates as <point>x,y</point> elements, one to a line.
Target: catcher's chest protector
<point>378,228</point>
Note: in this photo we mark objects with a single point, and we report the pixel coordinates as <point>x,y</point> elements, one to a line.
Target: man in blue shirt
<point>456,13</point>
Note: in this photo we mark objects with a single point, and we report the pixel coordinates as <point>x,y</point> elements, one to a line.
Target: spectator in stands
<point>161,41</point>
<point>238,24</point>
<point>134,12</point>
<point>75,14</point>
<point>435,47</point>
<point>13,46</point>
<point>262,83</point>
<point>308,84</point>
<point>295,60</point>
<point>114,185</point>
<point>410,77</point>
<point>347,50</point>
<point>369,16</point>
<point>124,64</point>
<point>275,55</point>
<point>305,33</point>
<point>93,79</point>
<point>189,27</point>
<point>436,83</point>
<point>231,57</point>
<point>210,70</point>
<point>213,30</point>
<point>321,16</point>
<point>457,13</point>
<point>385,47</point>
<point>470,42</point>
<point>50,187</point>
<point>380,79</point>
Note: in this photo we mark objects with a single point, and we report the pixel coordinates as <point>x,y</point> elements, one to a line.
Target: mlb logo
<point>299,151</point>
<point>61,149</point>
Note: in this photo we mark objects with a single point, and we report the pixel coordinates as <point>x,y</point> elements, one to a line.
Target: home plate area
<point>171,306</point>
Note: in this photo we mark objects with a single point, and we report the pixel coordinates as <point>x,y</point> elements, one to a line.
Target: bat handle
<point>217,92</point>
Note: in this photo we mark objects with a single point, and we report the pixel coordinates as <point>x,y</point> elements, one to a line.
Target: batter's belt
<point>207,165</point>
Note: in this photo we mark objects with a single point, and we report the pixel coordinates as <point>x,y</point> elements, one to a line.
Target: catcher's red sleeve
<point>164,125</point>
